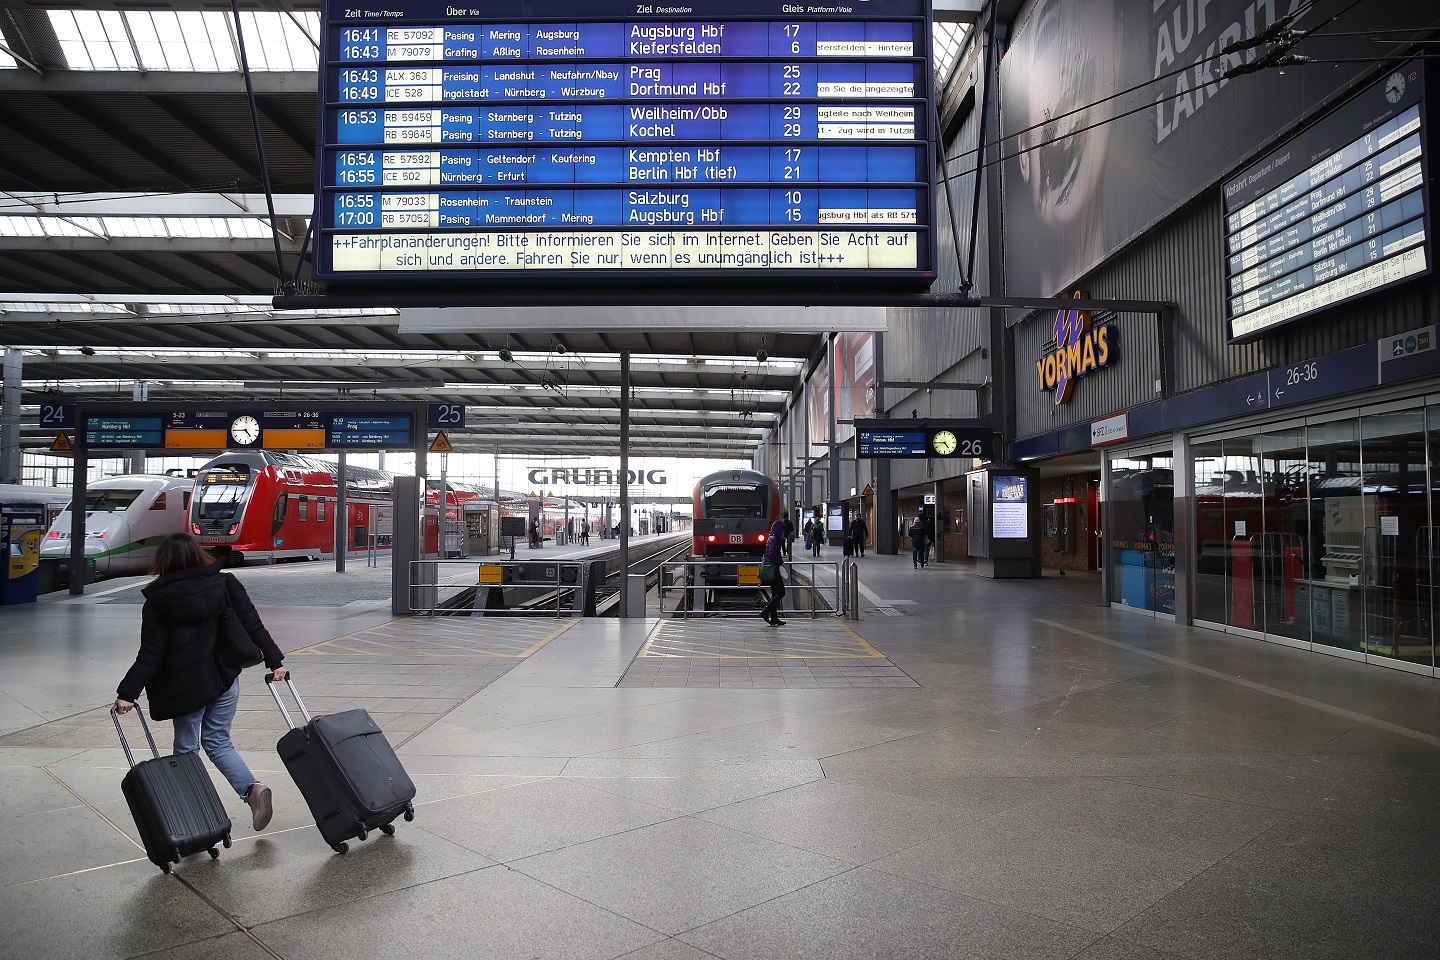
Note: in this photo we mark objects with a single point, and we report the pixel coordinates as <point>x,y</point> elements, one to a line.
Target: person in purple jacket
<point>774,546</point>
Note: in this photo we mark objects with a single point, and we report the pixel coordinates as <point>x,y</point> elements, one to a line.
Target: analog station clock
<point>943,442</point>
<point>245,430</point>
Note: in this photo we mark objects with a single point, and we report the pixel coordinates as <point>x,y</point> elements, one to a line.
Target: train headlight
<point>234,529</point>
<point>53,535</point>
<point>762,538</point>
<point>195,529</point>
<point>710,538</point>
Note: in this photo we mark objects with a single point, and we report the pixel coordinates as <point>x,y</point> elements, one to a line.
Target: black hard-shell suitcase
<point>849,547</point>
<point>173,801</point>
<point>346,770</point>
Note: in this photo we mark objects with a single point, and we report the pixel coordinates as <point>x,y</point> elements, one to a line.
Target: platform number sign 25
<point>445,414</point>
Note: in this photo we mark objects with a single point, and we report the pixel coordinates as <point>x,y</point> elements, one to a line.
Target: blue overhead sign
<point>601,137</point>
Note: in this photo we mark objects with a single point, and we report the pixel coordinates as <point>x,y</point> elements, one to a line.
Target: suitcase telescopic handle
<point>115,715</point>
<point>270,684</point>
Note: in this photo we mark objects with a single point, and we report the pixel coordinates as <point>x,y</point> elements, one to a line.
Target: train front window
<point>735,500</point>
<point>218,501</point>
<point>110,501</point>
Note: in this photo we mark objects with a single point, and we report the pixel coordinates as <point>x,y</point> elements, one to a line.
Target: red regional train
<point>268,506</point>
<point>733,513</point>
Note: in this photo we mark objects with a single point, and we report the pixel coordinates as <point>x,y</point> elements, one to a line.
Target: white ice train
<point>125,519</point>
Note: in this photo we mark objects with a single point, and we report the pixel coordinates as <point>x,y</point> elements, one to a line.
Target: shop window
<point>1141,534</point>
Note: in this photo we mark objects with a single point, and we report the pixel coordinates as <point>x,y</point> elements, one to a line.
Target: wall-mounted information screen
<point>1338,212</point>
<point>519,141</point>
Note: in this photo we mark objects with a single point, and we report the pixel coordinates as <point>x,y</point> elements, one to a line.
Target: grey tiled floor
<point>1044,778</point>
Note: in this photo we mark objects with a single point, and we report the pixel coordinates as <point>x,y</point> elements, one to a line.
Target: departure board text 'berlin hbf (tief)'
<point>626,137</point>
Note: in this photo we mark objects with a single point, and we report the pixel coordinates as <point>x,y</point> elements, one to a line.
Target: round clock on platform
<point>943,442</point>
<point>245,430</point>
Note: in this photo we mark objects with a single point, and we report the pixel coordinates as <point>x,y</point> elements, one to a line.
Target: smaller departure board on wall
<point>1337,212</point>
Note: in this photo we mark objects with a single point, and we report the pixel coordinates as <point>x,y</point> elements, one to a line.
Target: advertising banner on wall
<point>1116,112</point>
<point>817,401</point>
<point>854,382</point>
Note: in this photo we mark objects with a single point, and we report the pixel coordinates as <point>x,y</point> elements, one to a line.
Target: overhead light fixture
<point>506,355</point>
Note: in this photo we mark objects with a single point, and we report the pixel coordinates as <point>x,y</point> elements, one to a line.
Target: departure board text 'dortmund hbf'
<point>728,140</point>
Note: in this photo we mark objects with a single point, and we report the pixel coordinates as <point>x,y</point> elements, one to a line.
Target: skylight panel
<point>948,39</point>
<point>93,39</point>
<point>6,60</point>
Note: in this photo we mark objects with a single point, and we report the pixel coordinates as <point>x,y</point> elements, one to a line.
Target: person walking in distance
<point>178,668</point>
<point>927,526</point>
<point>916,533</point>
<point>858,532</point>
<point>771,611</point>
<point>789,536</point>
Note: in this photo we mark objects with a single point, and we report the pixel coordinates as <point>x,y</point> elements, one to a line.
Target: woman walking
<point>177,666</point>
<point>771,611</point>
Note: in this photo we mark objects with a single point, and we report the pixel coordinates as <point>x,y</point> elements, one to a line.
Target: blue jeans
<point>210,726</point>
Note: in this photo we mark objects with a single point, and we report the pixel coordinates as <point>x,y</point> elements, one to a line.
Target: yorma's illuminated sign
<point>1079,349</point>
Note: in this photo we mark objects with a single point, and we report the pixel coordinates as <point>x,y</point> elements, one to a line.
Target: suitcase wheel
<point>409,814</point>
<point>341,847</point>
<point>363,835</point>
<point>388,829</point>
<point>214,853</point>
<point>226,841</point>
<point>164,868</point>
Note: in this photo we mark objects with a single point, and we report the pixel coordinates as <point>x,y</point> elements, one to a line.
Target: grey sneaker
<point>260,807</point>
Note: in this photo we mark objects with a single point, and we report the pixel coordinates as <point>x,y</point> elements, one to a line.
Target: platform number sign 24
<point>57,415</point>
<point>445,414</point>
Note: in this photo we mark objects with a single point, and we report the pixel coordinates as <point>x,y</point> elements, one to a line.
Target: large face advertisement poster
<point>854,381</point>
<point>1117,112</point>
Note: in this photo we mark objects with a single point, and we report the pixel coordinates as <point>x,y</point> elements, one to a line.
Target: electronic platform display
<point>719,139</point>
<point>1338,212</point>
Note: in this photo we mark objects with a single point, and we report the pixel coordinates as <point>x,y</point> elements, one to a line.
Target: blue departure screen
<point>747,137</point>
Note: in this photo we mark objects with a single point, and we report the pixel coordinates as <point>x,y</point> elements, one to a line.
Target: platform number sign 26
<point>57,414</point>
<point>445,414</point>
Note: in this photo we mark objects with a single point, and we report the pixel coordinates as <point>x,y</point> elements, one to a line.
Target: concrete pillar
<point>10,455</point>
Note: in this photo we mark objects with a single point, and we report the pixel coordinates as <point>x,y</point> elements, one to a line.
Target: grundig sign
<point>1078,350</point>
<point>593,477</point>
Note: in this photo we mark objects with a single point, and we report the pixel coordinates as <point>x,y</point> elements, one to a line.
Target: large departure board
<point>1337,212</point>
<point>728,139</point>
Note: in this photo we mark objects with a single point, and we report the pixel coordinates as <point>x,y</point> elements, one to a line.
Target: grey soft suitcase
<point>346,770</point>
<point>173,801</point>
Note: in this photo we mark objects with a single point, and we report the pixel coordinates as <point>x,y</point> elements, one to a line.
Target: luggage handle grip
<point>115,715</point>
<point>270,682</point>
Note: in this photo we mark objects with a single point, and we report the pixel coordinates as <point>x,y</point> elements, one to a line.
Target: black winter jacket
<point>176,664</point>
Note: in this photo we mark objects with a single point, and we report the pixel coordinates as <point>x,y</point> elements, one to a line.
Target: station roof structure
<point>136,247</point>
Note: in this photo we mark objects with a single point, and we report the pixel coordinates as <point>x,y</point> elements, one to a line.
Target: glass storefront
<point>1319,533</point>
<point>1140,531</point>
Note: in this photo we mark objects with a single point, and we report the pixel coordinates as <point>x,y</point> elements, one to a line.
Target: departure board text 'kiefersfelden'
<point>638,144</point>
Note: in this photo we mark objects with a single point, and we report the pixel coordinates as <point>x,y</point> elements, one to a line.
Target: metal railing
<point>850,589</point>
<point>554,588</point>
<point>728,588</point>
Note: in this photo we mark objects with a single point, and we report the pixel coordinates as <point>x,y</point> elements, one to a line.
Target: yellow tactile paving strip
<point>806,639</point>
<point>445,637</point>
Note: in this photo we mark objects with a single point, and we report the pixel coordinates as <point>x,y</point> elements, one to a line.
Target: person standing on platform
<point>585,535</point>
<point>178,668</point>
<point>916,533</point>
<point>927,524</point>
<point>789,537</point>
<point>771,611</point>
<point>817,536</point>
<point>858,532</point>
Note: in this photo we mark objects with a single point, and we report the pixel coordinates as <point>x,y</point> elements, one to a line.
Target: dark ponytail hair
<point>178,551</point>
